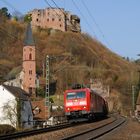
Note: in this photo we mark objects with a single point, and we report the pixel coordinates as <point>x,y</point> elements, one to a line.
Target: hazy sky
<point>117,21</point>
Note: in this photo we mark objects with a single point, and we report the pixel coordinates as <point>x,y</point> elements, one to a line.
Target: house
<point>15,107</point>
<point>16,80</point>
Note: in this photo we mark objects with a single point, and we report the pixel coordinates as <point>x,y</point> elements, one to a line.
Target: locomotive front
<point>76,103</point>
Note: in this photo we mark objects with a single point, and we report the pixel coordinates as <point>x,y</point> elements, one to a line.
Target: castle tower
<point>29,63</point>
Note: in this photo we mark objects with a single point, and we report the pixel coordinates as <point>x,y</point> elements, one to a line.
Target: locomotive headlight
<point>68,108</point>
<point>84,107</point>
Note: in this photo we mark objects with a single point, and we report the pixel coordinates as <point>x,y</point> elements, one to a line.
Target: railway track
<point>93,133</point>
<point>97,132</point>
<point>33,132</point>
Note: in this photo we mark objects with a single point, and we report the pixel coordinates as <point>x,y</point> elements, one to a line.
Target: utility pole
<point>47,95</point>
<point>133,97</point>
<point>139,81</point>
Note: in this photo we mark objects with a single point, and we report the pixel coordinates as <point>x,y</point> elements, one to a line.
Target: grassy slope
<point>83,57</point>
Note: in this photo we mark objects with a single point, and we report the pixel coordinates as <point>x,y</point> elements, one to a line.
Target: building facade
<point>55,18</point>
<point>15,107</point>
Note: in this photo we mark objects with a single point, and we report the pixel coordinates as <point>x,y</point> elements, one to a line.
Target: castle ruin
<point>55,18</point>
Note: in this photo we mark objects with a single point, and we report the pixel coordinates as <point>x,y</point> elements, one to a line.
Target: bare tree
<point>10,112</point>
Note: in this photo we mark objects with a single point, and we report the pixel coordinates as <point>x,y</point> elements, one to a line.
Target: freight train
<point>84,103</point>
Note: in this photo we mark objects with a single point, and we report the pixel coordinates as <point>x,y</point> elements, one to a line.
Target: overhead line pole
<point>47,95</point>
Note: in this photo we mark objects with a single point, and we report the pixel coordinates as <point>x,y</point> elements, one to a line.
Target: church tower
<point>29,63</point>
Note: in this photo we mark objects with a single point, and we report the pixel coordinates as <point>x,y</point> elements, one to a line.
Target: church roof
<point>17,92</point>
<point>29,41</point>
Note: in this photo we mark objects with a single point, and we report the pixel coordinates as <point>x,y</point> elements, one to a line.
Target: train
<point>84,104</point>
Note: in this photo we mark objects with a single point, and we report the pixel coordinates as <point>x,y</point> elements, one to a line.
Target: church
<point>26,78</point>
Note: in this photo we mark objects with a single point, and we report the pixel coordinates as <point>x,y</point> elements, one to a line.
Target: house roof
<point>17,92</point>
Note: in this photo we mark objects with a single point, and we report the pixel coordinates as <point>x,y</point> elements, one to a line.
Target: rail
<point>33,132</point>
<point>97,132</point>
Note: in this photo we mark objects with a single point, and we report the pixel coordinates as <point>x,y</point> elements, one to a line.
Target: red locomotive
<point>84,103</point>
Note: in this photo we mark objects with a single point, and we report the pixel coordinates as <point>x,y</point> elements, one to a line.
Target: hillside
<point>76,59</point>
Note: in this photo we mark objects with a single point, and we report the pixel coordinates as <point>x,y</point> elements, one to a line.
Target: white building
<point>15,107</point>
<point>17,81</point>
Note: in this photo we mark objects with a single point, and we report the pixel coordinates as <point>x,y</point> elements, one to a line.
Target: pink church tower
<point>29,63</point>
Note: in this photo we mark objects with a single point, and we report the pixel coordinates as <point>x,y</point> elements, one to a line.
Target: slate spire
<point>29,41</point>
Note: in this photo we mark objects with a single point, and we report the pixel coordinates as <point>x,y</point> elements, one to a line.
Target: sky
<point>115,23</point>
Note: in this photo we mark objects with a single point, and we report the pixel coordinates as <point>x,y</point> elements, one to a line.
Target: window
<point>36,110</point>
<point>60,19</point>
<point>30,56</point>
<point>76,95</point>
<point>23,106</point>
<point>37,19</point>
<point>29,120</point>
<point>81,94</point>
<point>48,20</point>
<point>30,72</point>
<point>52,19</point>
<point>60,25</point>
<point>30,90</point>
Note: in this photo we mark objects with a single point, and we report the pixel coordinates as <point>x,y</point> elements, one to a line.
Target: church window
<point>30,56</point>
<point>30,72</point>
<point>48,20</point>
<point>52,19</point>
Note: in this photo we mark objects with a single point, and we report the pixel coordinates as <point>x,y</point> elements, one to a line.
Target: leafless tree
<point>10,112</point>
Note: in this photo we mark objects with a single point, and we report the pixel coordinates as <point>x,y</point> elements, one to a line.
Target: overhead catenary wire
<point>15,37</point>
<point>76,6</point>
<point>90,49</point>
<point>10,5</point>
<point>79,11</point>
<point>71,23</point>
<point>93,19</point>
<point>52,8</point>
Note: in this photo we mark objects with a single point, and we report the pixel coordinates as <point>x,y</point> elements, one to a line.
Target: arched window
<point>30,56</point>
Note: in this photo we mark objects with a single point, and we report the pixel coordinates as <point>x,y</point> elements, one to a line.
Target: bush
<point>6,129</point>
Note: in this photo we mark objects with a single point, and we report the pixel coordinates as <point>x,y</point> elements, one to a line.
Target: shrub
<point>6,129</point>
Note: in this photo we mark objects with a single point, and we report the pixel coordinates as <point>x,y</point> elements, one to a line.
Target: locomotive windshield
<point>76,95</point>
